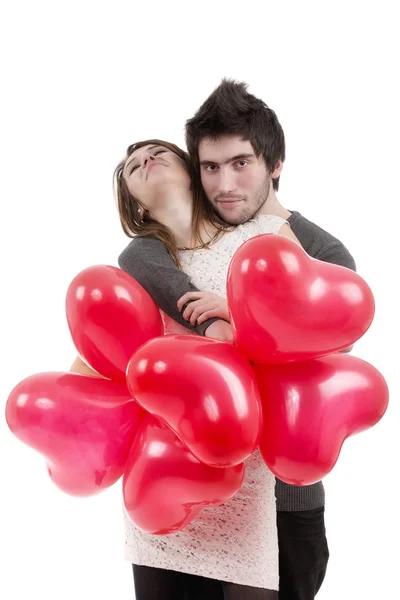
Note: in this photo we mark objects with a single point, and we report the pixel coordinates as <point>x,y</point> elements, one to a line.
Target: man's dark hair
<point>231,110</point>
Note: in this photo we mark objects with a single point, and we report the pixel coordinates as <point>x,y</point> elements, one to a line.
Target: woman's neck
<point>178,219</point>
<point>176,213</point>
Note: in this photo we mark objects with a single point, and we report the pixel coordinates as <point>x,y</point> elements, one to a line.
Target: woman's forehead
<point>138,152</point>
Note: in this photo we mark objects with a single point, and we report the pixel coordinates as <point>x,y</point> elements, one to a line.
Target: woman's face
<point>152,172</point>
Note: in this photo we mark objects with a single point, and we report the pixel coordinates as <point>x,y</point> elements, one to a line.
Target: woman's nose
<point>146,158</point>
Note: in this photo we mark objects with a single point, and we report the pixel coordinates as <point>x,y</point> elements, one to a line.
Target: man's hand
<point>203,306</point>
<point>220,330</point>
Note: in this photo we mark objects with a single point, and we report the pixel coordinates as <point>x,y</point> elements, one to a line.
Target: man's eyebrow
<point>135,157</point>
<point>232,158</point>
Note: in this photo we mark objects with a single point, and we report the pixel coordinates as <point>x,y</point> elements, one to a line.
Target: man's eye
<point>211,168</point>
<point>243,163</point>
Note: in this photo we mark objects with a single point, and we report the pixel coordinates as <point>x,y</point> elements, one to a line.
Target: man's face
<point>236,182</point>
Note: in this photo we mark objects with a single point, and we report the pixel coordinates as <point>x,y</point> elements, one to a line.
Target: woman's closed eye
<point>156,153</point>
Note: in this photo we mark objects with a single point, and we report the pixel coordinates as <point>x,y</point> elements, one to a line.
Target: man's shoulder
<point>142,245</point>
<point>319,243</point>
<point>310,234</point>
<point>141,252</point>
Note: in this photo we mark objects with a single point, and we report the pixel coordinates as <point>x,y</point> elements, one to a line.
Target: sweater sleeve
<point>336,253</point>
<point>319,243</point>
<point>148,261</point>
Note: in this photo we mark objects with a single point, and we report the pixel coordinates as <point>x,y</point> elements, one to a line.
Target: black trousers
<point>160,584</point>
<point>303,559</point>
<point>303,553</point>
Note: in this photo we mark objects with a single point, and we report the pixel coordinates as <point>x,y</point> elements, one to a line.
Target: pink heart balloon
<point>205,390</point>
<point>310,408</point>
<point>165,486</point>
<point>84,427</point>
<point>286,306</point>
<point>110,316</point>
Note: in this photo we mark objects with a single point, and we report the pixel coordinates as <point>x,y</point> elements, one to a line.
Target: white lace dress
<point>236,541</point>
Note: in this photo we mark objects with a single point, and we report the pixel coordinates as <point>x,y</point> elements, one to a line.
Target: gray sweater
<point>148,261</point>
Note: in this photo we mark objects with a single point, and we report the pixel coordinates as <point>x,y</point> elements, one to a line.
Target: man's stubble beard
<point>248,211</point>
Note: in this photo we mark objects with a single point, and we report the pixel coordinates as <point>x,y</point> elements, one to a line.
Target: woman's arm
<point>287,232</point>
<point>78,366</point>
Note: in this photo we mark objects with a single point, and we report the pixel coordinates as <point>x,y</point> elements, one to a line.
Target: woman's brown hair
<point>137,223</point>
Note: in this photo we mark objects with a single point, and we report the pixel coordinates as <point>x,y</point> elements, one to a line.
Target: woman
<point>231,551</point>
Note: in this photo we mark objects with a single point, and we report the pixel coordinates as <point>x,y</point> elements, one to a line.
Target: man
<point>237,146</point>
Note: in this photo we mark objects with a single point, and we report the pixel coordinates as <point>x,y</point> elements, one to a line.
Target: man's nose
<point>226,181</point>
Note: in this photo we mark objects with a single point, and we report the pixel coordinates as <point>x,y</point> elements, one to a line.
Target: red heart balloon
<point>110,315</point>
<point>204,390</point>
<point>84,426</point>
<point>165,486</point>
<point>309,410</point>
<point>288,306</point>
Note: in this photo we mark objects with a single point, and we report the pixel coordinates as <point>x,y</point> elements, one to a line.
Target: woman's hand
<point>203,306</point>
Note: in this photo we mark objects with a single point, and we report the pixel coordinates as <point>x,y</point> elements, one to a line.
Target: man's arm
<point>337,254</point>
<point>149,262</point>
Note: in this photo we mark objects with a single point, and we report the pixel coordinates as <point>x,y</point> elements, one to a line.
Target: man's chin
<point>234,218</point>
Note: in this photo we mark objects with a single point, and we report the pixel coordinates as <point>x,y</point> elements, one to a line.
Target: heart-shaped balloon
<point>165,486</point>
<point>309,410</point>
<point>110,315</point>
<point>204,390</point>
<point>287,306</point>
<point>84,426</point>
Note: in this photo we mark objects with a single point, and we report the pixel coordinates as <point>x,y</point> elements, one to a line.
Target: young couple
<point>188,214</point>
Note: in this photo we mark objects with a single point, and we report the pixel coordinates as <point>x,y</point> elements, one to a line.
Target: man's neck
<point>272,206</point>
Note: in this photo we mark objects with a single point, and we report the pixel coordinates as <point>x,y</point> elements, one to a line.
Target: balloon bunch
<point>298,313</point>
<point>177,416</point>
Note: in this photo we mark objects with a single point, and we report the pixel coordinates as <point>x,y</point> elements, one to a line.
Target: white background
<point>81,81</point>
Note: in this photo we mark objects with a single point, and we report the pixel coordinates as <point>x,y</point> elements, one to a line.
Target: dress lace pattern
<point>236,541</point>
